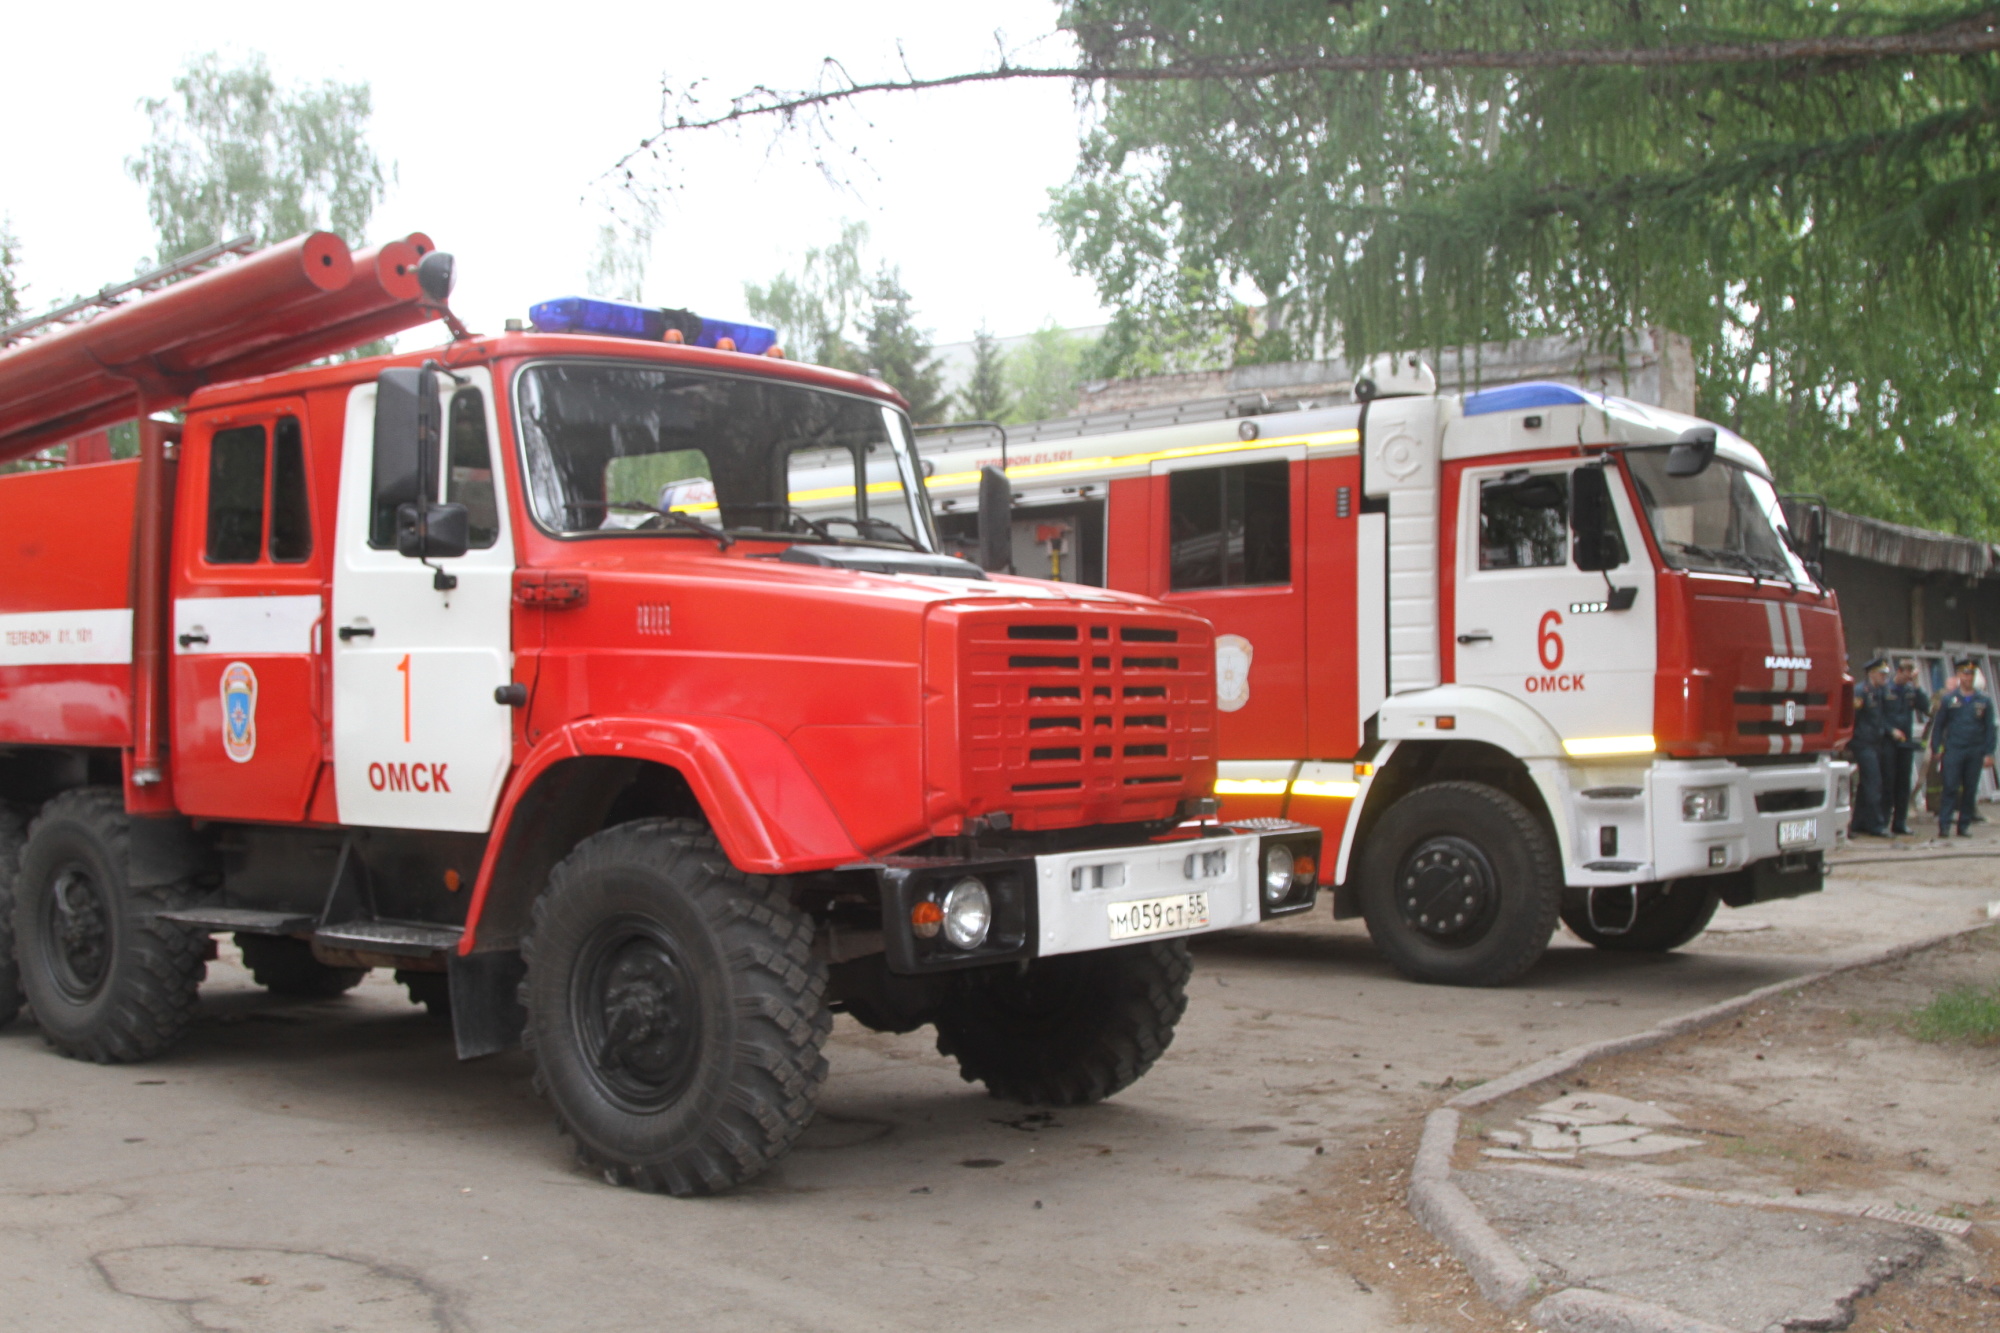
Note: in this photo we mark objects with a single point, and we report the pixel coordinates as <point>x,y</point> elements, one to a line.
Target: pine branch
<point>1976,35</point>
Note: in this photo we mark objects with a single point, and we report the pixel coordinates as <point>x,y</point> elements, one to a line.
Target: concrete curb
<point>1555,1066</point>
<point>1581,1310</point>
<point>1495,1266</point>
<point>1442,1209</point>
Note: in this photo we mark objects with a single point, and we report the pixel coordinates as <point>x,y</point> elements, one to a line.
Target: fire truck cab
<point>1526,654</point>
<point>517,667</point>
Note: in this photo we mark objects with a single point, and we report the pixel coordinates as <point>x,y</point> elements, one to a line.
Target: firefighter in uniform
<point>1963,734</point>
<point>1872,747</point>
<point>1907,707</point>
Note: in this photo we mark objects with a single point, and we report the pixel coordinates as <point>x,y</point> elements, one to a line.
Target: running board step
<point>244,920</point>
<point>394,937</point>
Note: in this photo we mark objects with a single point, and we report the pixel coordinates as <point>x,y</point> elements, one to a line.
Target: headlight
<point>1704,805</point>
<point>968,914</point>
<point>1277,872</point>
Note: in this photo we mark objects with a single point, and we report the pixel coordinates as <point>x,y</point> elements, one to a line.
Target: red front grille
<point>1081,715</point>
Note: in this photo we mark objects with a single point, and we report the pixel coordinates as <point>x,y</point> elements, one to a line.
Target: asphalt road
<point>304,1166</point>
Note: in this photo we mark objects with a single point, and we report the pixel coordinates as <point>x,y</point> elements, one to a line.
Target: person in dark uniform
<point>1907,706</point>
<point>1963,734</point>
<point>1872,747</point>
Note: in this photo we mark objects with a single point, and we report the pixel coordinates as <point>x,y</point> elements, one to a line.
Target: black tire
<point>676,1014</point>
<point>1670,915</point>
<point>286,966</point>
<point>13,837</point>
<point>1460,885</point>
<point>109,980</point>
<point>432,990</point>
<point>1067,1030</point>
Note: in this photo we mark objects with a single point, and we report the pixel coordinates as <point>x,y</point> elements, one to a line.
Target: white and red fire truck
<point>1523,654</point>
<point>425,663</point>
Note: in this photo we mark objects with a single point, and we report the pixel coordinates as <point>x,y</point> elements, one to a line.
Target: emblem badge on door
<point>239,712</point>
<point>1232,671</point>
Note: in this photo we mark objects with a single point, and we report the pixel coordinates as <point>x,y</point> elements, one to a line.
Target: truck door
<point>247,618</point>
<point>1528,622</point>
<point>418,740</point>
<point>1229,542</point>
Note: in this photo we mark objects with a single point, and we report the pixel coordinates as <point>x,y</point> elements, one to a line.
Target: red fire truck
<point>431,663</point>
<point>1524,654</point>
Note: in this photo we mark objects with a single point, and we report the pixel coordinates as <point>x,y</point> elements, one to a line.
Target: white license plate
<point>1158,916</point>
<point>1792,832</point>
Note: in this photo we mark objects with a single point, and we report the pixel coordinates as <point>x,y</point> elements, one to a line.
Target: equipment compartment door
<point>1527,622</point>
<point>1227,534</point>
<point>418,740</point>
<point>248,577</point>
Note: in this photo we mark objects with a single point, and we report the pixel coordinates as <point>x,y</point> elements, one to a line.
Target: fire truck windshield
<point>636,450</point>
<point>1724,520</point>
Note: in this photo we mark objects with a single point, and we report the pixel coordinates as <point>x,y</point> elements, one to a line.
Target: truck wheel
<point>676,1014</point>
<point>108,979</point>
<point>1670,915</point>
<point>1460,885</point>
<point>13,836</point>
<point>1067,1030</point>
<point>286,966</point>
<point>432,990</point>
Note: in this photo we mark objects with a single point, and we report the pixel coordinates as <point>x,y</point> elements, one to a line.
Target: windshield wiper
<point>872,524</point>
<point>786,511</point>
<point>1733,559</point>
<point>687,522</point>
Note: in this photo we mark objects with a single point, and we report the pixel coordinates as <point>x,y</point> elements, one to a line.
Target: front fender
<point>1476,713</point>
<point>768,812</point>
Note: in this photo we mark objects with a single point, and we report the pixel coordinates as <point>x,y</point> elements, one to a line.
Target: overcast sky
<point>500,121</point>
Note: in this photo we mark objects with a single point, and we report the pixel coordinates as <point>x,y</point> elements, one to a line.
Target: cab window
<point>468,478</point>
<point>1524,520</point>
<point>1230,527</point>
<point>236,495</point>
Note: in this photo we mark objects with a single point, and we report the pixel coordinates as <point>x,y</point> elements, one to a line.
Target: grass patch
<point>1964,1014</point>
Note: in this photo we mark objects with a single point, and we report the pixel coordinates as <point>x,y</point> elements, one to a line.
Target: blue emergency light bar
<point>623,319</point>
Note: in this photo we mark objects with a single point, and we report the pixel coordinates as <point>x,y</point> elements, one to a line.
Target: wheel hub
<point>1447,891</point>
<point>640,1017</point>
<point>78,935</point>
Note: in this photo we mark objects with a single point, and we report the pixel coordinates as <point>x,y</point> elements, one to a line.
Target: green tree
<point>986,396</point>
<point>11,287</point>
<point>618,270</point>
<point>1047,372</point>
<point>232,153</point>
<point>900,352</point>
<point>817,311</point>
<point>1823,227</point>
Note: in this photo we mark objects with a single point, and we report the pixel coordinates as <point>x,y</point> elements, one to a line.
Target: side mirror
<point>407,432</point>
<point>1597,542</point>
<point>1806,524</point>
<point>1692,453</point>
<point>996,521</point>
<point>432,532</point>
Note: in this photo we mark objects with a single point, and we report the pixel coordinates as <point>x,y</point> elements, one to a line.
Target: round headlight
<point>968,914</point>
<point>1277,872</point>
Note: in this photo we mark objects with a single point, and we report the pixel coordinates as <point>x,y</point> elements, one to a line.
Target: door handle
<point>1475,636</point>
<point>347,632</point>
<point>193,637</point>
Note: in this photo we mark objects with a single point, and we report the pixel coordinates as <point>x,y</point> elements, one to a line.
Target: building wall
<point>1883,606</point>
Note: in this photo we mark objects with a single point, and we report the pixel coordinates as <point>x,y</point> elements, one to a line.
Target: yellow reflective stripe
<point>1029,470</point>
<point>1339,790</point>
<point>1250,786</point>
<point>1600,745</point>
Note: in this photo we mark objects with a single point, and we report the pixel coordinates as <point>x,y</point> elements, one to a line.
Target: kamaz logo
<point>1788,664</point>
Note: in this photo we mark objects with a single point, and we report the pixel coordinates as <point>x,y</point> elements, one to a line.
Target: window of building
<point>1524,520</point>
<point>236,496</point>
<point>1230,526</point>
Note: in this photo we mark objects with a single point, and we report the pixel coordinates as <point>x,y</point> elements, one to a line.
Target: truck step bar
<point>244,920</point>
<point>404,939</point>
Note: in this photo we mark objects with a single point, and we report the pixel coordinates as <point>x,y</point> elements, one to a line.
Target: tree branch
<point>1977,35</point>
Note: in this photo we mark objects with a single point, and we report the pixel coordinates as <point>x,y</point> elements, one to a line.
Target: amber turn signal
<point>926,919</point>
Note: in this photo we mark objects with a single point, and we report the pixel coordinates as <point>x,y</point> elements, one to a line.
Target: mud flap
<point>486,1012</point>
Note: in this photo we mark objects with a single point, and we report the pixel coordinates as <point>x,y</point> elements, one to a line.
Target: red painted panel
<point>66,705</point>
<point>1329,814</point>
<point>65,538</point>
<point>1129,524</point>
<point>1332,706</point>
